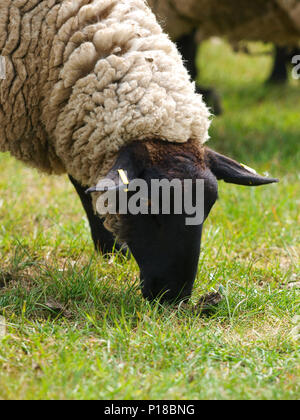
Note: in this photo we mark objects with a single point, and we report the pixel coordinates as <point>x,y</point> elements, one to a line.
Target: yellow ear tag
<point>123,177</point>
<point>253,171</point>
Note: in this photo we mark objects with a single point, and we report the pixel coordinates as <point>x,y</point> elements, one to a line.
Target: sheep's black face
<point>167,252</point>
<point>166,244</point>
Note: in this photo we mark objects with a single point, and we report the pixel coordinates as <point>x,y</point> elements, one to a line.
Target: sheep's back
<point>276,21</point>
<point>85,77</point>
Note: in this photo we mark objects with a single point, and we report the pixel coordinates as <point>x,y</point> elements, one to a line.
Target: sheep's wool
<point>275,21</point>
<point>84,78</point>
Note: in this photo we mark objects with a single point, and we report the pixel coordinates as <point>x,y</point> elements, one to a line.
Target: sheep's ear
<point>233,172</point>
<point>114,180</point>
<point>126,168</point>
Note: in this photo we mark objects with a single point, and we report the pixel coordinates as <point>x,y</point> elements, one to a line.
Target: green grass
<point>77,326</point>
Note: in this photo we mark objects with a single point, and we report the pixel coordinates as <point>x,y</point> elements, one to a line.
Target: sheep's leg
<point>188,48</point>
<point>279,72</point>
<point>103,240</point>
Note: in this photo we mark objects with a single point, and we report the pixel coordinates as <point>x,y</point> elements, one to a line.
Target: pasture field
<point>77,326</point>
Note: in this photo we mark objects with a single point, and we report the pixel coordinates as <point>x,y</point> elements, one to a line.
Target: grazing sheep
<point>93,87</point>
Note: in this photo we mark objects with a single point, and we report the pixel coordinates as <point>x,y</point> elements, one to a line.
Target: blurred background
<point>259,118</point>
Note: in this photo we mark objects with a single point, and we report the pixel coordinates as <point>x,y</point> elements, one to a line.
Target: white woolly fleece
<point>85,78</point>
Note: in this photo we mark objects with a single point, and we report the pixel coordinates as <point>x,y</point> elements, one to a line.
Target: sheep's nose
<point>165,290</point>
